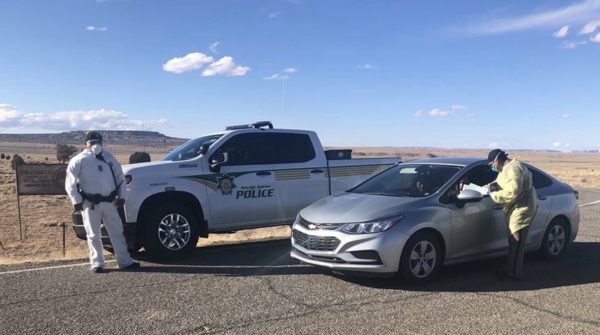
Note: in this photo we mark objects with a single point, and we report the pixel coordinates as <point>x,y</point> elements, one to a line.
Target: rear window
<point>539,179</point>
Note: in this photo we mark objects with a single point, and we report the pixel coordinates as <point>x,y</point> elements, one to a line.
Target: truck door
<point>244,188</point>
<point>299,173</point>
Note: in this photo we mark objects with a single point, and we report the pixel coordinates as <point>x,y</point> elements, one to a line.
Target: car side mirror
<point>218,160</point>
<point>469,196</point>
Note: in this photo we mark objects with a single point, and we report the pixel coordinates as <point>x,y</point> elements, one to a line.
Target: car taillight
<point>576,194</point>
<point>128,179</point>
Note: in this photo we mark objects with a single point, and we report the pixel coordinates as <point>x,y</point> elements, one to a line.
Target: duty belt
<point>95,199</point>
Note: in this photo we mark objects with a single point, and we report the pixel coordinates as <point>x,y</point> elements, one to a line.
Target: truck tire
<point>170,231</point>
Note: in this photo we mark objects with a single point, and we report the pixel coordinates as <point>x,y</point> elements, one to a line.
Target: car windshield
<point>191,149</point>
<point>415,180</point>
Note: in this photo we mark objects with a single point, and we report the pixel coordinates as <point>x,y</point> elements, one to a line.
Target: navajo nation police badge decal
<point>226,184</point>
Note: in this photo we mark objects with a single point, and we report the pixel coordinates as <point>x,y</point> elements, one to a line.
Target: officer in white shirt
<point>95,185</point>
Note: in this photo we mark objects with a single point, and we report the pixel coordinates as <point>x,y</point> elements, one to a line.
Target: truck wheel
<point>170,231</point>
<point>555,240</point>
<point>421,258</point>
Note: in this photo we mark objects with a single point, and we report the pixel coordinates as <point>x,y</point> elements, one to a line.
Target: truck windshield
<point>191,149</point>
<point>408,180</point>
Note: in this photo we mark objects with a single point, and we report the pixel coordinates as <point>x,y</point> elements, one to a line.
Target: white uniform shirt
<point>93,176</point>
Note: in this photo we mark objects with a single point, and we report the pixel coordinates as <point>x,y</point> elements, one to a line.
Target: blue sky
<point>462,74</point>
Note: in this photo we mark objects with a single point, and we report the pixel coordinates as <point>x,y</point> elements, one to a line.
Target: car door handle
<point>316,171</point>
<point>498,207</point>
<point>542,197</point>
<point>263,173</point>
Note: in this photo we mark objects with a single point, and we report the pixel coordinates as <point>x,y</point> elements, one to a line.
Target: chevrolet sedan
<point>413,218</point>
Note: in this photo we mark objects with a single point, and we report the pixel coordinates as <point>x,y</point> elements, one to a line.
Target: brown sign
<point>41,179</point>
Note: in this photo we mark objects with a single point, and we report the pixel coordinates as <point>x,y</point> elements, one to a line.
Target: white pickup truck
<point>245,177</point>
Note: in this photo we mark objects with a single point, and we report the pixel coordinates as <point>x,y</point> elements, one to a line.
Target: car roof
<point>458,161</point>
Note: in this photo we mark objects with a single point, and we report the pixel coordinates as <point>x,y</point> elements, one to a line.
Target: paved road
<point>257,288</point>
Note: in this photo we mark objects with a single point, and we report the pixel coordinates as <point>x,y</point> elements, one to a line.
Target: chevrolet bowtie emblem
<point>312,226</point>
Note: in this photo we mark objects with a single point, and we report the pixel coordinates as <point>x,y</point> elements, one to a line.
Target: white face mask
<point>96,149</point>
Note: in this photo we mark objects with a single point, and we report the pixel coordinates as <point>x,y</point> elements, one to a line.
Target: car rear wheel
<point>556,239</point>
<point>170,231</point>
<point>421,258</point>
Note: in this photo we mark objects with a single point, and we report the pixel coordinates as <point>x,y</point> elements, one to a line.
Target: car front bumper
<point>377,253</point>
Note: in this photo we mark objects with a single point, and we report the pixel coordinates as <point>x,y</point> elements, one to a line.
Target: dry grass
<point>42,215</point>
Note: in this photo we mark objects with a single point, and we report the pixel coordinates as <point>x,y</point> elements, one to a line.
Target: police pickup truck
<point>248,176</point>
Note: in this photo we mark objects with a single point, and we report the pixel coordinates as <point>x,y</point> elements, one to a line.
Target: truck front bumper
<point>129,230</point>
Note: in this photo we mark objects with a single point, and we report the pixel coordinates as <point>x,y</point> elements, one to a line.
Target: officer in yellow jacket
<point>513,189</point>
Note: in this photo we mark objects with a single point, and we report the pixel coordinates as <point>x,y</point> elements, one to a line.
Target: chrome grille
<point>310,225</point>
<point>319,243</point>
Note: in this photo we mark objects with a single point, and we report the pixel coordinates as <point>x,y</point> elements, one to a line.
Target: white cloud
<point>368,67</point>
<point>435,113</point>
<point>283,75</point>
<point>214,47</point>
<point>595,38</point>
<point>566,116</point>
<point>15,119</point>
<point>274,15</point>
<point>191,61</point>
<point>225,67</point>
<point>572,44</point>
<point>557,144</point>
<point>576,13</point>
<point>562,32</point>
<point>493,145</point>
<point>94,28</point>
<point>590,27</point>
<point>457,107</point>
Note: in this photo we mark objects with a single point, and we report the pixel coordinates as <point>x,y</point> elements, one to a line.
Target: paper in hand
<point>474,187</point>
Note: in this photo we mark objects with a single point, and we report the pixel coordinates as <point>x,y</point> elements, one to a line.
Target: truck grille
<point>319,243</point>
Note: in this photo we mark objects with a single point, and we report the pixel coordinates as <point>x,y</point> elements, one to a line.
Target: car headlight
<point>373,226</point>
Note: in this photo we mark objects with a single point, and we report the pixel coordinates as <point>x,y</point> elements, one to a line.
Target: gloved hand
<point>78,207</point>
<point>120,203</point>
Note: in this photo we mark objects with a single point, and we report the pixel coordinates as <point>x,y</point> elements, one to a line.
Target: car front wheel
<point>421,258</point>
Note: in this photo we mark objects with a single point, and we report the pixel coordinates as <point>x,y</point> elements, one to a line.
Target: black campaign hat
<point>93,136</point>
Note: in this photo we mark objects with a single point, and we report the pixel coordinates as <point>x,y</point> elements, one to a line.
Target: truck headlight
<point>373,226</point>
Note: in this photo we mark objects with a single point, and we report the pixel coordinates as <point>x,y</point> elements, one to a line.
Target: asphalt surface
<point>258,288</point>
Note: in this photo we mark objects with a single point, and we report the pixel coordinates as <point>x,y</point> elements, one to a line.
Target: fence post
<point>64,228</point>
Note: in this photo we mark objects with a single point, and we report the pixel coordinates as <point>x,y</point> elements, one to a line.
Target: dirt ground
<point>41,216</point>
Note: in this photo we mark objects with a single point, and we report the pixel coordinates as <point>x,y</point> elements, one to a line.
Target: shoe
<point>132,266</point>
<point>98,269</point>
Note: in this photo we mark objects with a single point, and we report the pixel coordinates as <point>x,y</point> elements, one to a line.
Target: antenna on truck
<point>256,125</point>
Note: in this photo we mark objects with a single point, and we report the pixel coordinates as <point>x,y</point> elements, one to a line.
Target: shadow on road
<point>245,259</point>
<point>580,264</point>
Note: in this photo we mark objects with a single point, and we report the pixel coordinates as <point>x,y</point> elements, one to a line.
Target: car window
<point>408,180</point>
<point>539,179</point>
<point>267,148</point>
<point>480,175</point>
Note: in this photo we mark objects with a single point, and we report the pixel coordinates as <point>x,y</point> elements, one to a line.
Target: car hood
<point>354,207</point>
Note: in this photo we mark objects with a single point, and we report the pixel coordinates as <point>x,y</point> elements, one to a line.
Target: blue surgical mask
<point>494,169</point>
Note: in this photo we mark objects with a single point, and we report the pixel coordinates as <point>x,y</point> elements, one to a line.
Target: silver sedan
<point>412,218</point>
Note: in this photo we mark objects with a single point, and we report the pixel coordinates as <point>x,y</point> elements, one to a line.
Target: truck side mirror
<point>204,149</point>
<point>218,160</point>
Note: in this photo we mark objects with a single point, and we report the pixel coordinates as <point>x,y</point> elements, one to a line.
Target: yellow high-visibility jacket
<point>516,194</point>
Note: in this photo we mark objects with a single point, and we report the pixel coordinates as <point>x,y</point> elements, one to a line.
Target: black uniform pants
<point>516,253</point>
